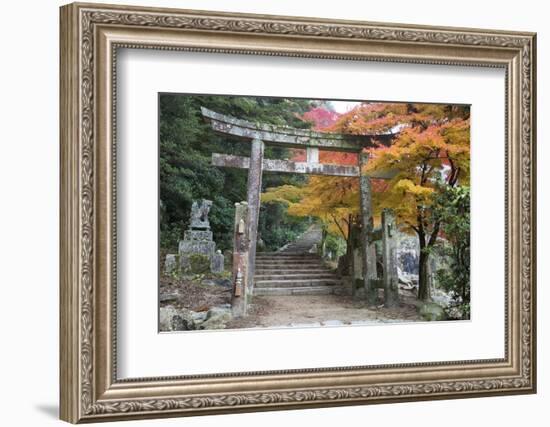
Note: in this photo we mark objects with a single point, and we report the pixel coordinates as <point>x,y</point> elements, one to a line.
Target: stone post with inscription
<point>389,257</point>
<point>368,249</point>
<point>240,260</point>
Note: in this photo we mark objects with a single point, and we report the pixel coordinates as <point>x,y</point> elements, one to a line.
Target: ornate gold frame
<point>90,35</point>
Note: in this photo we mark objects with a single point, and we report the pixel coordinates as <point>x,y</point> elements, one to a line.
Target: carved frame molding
<point>90,36</point>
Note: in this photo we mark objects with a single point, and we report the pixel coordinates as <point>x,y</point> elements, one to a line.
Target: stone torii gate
<point>247,214</point>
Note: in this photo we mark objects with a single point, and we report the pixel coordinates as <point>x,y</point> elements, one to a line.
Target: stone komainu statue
<point>197,244</point>
<point>199,214</point>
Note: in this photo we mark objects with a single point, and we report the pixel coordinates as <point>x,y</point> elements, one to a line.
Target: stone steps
<point>293,276</point>
<point>284,255</point>
<point>289,264</point>
<point>286,258</point>
<point>313,290</point>
<point>283,272</point>
<point>295,271</point>
<point>296,283</point>
<point>261,255</point>
<point>316,260</point>
<point>297,251</point>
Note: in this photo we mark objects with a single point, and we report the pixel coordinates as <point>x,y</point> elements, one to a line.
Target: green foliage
<point>175,274</point>
<point>276,228</point>
<point>335,244</point>
<point>199,264</point>
<point>186,146</point>
<point>170,235</point>
<point>452,208</point>
<point>221,221</point>
<point>432,312</point>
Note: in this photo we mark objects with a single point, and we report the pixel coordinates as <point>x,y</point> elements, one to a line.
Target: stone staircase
<point>295,271</point>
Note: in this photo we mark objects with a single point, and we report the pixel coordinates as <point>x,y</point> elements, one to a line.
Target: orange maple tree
<point>430,153</point>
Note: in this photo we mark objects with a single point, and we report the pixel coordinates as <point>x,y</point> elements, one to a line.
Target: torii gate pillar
<point>253,199</point>
<point>369,252</point>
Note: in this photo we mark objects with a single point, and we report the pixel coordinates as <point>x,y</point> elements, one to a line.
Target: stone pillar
<point>368,250</point>
<point>430,269</point>
<point>312,155</point>
<point>389,258</point>
<point>253,199</point>
<point>371,261</point>
<point>355,261</point>
<point>357,273</point>
<point>240,260</point>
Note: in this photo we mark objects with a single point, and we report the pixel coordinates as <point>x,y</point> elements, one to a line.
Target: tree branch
<point>434,234</point>
<point>338,225</point>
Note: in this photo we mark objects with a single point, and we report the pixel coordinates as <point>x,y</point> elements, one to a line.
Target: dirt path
<point>320,310</point>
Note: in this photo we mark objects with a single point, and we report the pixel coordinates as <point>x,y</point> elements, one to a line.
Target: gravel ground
<point>284,311</point>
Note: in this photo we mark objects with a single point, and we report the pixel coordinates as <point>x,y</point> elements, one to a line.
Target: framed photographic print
<point>267,212</point>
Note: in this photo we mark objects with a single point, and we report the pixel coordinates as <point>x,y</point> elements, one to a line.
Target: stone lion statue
<point>199,214</point>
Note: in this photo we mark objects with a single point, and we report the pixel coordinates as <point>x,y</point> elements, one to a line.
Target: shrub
<point>199,264</point>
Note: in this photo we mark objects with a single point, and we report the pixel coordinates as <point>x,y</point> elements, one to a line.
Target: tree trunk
<point>322,249</point>
<point>424,292</point>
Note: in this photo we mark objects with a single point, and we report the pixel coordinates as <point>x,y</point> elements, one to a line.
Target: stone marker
<point>391,278</point>
<point>216,262</point>
<point>170,263</point>
<point>195,243</point>
<point>240,259</point>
